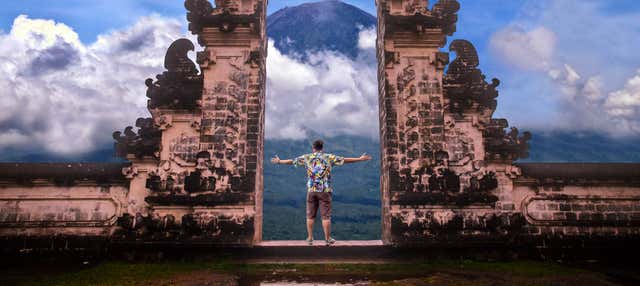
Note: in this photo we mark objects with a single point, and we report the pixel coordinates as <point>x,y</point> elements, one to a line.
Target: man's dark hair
<point>317,145</point>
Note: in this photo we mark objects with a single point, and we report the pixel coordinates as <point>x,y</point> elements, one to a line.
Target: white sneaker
<point>330,241</point>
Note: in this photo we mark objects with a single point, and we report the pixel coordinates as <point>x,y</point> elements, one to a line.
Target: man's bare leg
<point>326,226</point>
<point>310,229</point>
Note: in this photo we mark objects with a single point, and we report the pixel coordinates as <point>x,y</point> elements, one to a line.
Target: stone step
<point>294,251</point>
<point>303,243</point>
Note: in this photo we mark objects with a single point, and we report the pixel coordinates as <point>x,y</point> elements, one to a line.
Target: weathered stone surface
<point>464,83</point>
<point>180,87</point>
<point>447,165</point>
<point>69,173</point>
<point>226,16</point>
<point>146,142</point>
<point>56,200</point>
<point>431,138</point>
<point>192,226</point>
<point>196,164</point>
<point>212,129</point>
<point>502,145</point>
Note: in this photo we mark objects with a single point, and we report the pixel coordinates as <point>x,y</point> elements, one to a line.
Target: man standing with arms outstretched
<point>318,166</point>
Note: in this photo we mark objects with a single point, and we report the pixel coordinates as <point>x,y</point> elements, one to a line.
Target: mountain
<point>567,146</point>
<point>103,154</point>
<point>327,25</point>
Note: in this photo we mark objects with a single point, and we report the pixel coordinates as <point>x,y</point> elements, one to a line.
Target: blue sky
<point>567,64</point>
<point>91,18</point>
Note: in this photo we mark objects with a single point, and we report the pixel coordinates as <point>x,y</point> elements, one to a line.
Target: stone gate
<point>448,171</point>
<point>195,166</point>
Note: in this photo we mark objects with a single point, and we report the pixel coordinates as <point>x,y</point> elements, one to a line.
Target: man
<point>318,165</point>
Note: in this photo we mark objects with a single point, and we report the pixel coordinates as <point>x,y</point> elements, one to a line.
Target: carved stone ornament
<point>180,87</point>
<point>224,16</point>
<point>446,10</point>
<point>197,9</point>
<point>196,124</point>
<point>183,150</point>
<point>419,17</point>
<point>253,58</point>
<point>502,145</point>
<point>163,121</point>
<point>464,83</point>
<point>130,172</point>
<point>417,7</point>
<point>146,142</point>
<point>441,60</point>
<point>210,228</point>
<point>513,171</point>
<point>204,58</point>
<point>391,58</point>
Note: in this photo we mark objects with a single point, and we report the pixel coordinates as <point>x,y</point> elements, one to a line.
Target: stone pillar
<point>410,94</point>
<point>234,69</point>
<point>446,164</point>
<point>199,157</point>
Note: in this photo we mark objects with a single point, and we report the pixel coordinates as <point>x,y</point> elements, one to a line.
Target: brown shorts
<point>321,200</point>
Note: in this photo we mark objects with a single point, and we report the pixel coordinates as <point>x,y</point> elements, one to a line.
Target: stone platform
<point>299,251</point>
<point>275,251</point>
<point>304,244</point>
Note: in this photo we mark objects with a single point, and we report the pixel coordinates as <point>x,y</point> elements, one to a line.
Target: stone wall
<point>195,171</point>
<point>583,201</point>
<point>448,172</point>
<point>58,201</point>
<point>204,182</point>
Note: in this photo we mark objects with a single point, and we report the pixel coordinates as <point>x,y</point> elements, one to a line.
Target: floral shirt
<point>318,166</point>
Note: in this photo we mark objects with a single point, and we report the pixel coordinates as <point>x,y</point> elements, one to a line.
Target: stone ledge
<point>100,171</point>
<point>602,171</point>
<point>303,243</point>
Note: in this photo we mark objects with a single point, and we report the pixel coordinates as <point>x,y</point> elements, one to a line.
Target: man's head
<point>317,145</point>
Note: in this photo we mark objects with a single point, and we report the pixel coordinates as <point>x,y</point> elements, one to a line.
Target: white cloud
<point>367,38</point>
<point>39,33</point>
<point>11,138</point>
<point>587,106</point>
<point>624,104</point>
<point>62,96</point>
<point>581,57</point>
<point>580,99</point>
<point>529,50</point>
<point>330,94</point>
<point>573,87</point>
<point>583,101</point>
<point>285,73</point>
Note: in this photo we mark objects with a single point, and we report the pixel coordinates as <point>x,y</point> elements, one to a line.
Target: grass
<point>107,273</point>
<point>123,273</point>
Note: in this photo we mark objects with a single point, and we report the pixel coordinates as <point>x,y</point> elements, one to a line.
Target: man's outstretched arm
<point>276,160</point>
<point>363,157</point>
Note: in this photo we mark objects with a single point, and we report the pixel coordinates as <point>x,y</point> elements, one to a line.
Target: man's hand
<point>276,160</point>
<point>364,157</point>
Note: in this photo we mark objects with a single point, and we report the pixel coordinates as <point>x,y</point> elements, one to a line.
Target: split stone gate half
<point>195,171</point>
